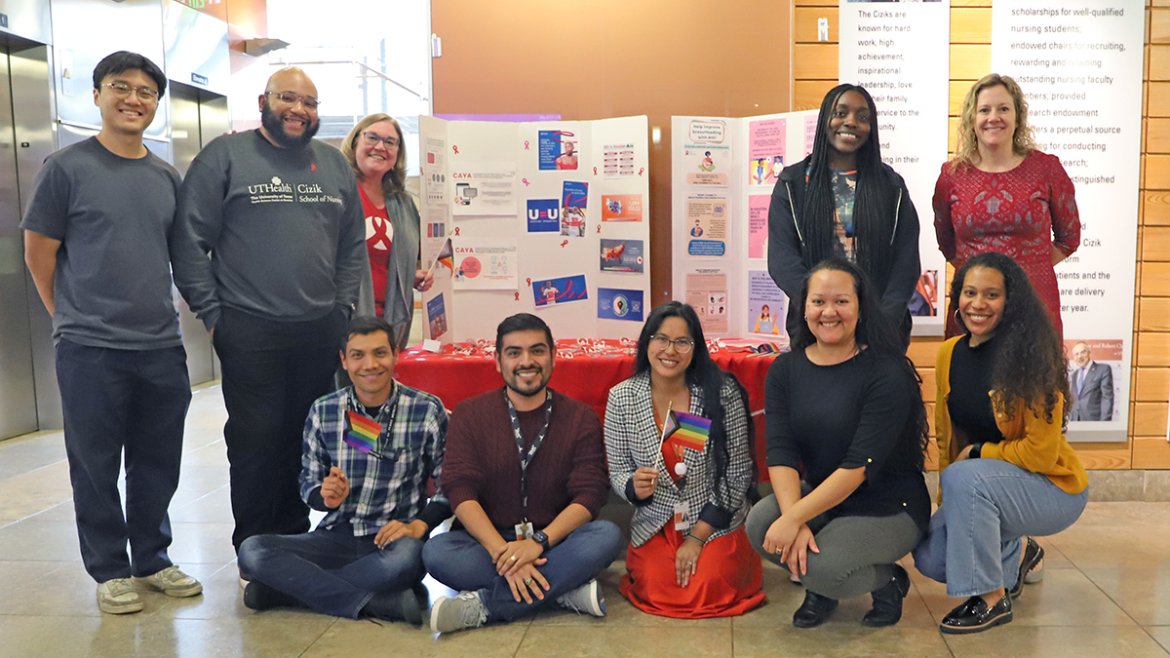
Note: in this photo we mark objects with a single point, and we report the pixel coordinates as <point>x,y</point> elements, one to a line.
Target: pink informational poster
<point>758,225</point>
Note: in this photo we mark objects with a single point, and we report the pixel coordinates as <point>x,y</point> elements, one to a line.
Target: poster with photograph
<point>619,304</point>
<point>557,150</point>
<point>1093,365</point>
<point>559,290</point>
<point>707,153</point>
<point>574,203</point>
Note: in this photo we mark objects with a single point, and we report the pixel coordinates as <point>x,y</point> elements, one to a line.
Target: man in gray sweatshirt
<point>269,254</point>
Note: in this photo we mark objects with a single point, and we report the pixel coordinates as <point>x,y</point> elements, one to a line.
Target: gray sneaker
<point>459,613</point>
<point>117,597</point>
<point>586,599</point>
<point>172,582</point>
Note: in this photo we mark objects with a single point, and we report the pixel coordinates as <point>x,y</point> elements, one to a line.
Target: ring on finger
<point>512,559</point>
<point>527,581</point>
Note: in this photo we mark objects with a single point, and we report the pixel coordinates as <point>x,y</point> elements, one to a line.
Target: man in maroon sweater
<point>524,471</point>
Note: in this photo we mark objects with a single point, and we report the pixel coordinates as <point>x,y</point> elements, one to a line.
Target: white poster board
<point>549,218</point>
<point>900,53</point>
<point>1079,63</point>
<point>723,172</point>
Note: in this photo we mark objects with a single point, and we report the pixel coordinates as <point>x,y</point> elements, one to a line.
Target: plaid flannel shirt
<point>392,486</point>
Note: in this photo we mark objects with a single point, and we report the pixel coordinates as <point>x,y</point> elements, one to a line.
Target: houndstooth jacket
<point>632,441</point>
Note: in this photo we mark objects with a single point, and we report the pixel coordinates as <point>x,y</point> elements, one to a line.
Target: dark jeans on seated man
<point>330,570</point>
<point>457,560</point>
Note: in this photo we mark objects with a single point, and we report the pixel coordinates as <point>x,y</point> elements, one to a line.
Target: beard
<point>275,128</point>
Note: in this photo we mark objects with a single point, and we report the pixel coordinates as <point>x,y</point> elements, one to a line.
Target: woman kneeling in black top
<point>844,409</point>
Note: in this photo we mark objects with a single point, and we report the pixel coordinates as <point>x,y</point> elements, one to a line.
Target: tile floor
<point>1106,591</point>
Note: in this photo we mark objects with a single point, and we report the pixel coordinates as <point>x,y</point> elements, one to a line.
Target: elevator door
<point>197,117</point>
<point>18,410</point>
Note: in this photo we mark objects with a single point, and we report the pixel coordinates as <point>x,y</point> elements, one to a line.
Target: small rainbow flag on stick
<point>362,433</point>
<point>446,257</point>
<point>687,430</point>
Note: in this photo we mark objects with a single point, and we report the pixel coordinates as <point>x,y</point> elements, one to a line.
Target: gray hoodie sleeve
<point>198,221</point>
<point>352,260</point>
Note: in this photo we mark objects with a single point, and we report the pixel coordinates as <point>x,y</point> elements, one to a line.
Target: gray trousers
<point>857,552</point>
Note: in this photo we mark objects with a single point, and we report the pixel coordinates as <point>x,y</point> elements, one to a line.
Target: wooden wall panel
<point>971,59</point>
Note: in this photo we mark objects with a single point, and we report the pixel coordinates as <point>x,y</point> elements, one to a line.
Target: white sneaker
<point>456,614</point>
<point>587,599</point>
<point>117,597</point>
<point>172,582</point>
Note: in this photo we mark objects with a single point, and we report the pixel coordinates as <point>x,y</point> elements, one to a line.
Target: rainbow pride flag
<point>362,433</point>
<point>687,430</point>
<point>446,256</point>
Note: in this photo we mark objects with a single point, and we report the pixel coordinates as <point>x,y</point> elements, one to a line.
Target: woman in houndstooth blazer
<point>689,556</point>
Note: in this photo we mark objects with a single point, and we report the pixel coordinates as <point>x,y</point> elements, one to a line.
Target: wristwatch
<point>976,451</point>
<point>540,538</point>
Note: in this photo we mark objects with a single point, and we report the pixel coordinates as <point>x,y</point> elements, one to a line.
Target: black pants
<point>115,403</point>
<point>272,373</point>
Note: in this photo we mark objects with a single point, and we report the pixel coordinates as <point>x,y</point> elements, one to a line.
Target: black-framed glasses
<point>123,88</point>
<point>681,345</point>
<point>292,98</point>
<point>372,139</point>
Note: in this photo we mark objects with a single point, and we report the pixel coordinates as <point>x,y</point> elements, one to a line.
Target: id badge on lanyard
<point>682,521</point>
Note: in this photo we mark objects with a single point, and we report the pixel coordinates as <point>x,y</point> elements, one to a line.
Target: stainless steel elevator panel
<point>84,32</point>
<point>28,391</point>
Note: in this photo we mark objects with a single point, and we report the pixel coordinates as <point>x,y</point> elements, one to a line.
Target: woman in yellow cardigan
<point>1007,468</point>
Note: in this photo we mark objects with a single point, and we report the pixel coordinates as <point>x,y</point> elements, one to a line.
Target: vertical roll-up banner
<point>1079,63</point>
<point>900,53</point>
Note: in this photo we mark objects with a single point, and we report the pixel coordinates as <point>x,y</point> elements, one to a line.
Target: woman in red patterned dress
<point>1000,193</point>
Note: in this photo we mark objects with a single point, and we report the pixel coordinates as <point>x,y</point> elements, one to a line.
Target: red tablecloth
<point>584,370</point>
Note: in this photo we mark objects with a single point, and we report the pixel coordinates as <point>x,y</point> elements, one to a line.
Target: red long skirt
<point>727,582</point>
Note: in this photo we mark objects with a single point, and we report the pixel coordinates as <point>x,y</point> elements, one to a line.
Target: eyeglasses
<point>372,139</point>
<point>292,98</point>
<point>122,88</point>
<point>681,345</point>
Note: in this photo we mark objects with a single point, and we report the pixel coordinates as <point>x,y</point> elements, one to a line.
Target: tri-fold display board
<point>550,218</point>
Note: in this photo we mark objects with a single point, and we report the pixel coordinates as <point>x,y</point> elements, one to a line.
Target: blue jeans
<point>457,560</point>
<point>973,544</point>
<point>123,404</point>
<point>331,571</point>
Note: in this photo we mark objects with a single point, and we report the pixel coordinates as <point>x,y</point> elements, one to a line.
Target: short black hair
<point>522,322</point>
<point>124,60</point>
<point>364,325</point>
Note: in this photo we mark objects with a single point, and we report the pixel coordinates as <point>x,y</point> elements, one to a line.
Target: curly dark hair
<point>704,373</point>
<point>1029,363</point>
<point>877,333</point>
<point>874,203</point>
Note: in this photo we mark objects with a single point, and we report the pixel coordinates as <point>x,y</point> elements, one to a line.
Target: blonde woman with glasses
<point>377,155</point>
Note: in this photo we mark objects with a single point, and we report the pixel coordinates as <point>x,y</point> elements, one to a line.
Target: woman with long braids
<point>689,557</point>
<point>1007,469</point>
<point>846,435</point>
<point>843,201</point>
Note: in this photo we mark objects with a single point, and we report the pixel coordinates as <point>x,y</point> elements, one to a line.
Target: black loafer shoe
<point>1033,559</point>
<point>974,616</point>
<point>887,601</point>
<point>814,611</point>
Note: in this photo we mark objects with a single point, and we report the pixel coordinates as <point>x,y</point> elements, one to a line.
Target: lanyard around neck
<point>526,456</point>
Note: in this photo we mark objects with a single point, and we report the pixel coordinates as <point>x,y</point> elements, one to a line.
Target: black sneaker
<point>887,600</point>
<point>974,616</point>
<point>403,605</point>
<point>814,611</point>
<point>258,596</point>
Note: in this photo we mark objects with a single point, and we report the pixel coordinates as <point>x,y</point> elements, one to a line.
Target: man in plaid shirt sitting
<point>369,451</point>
